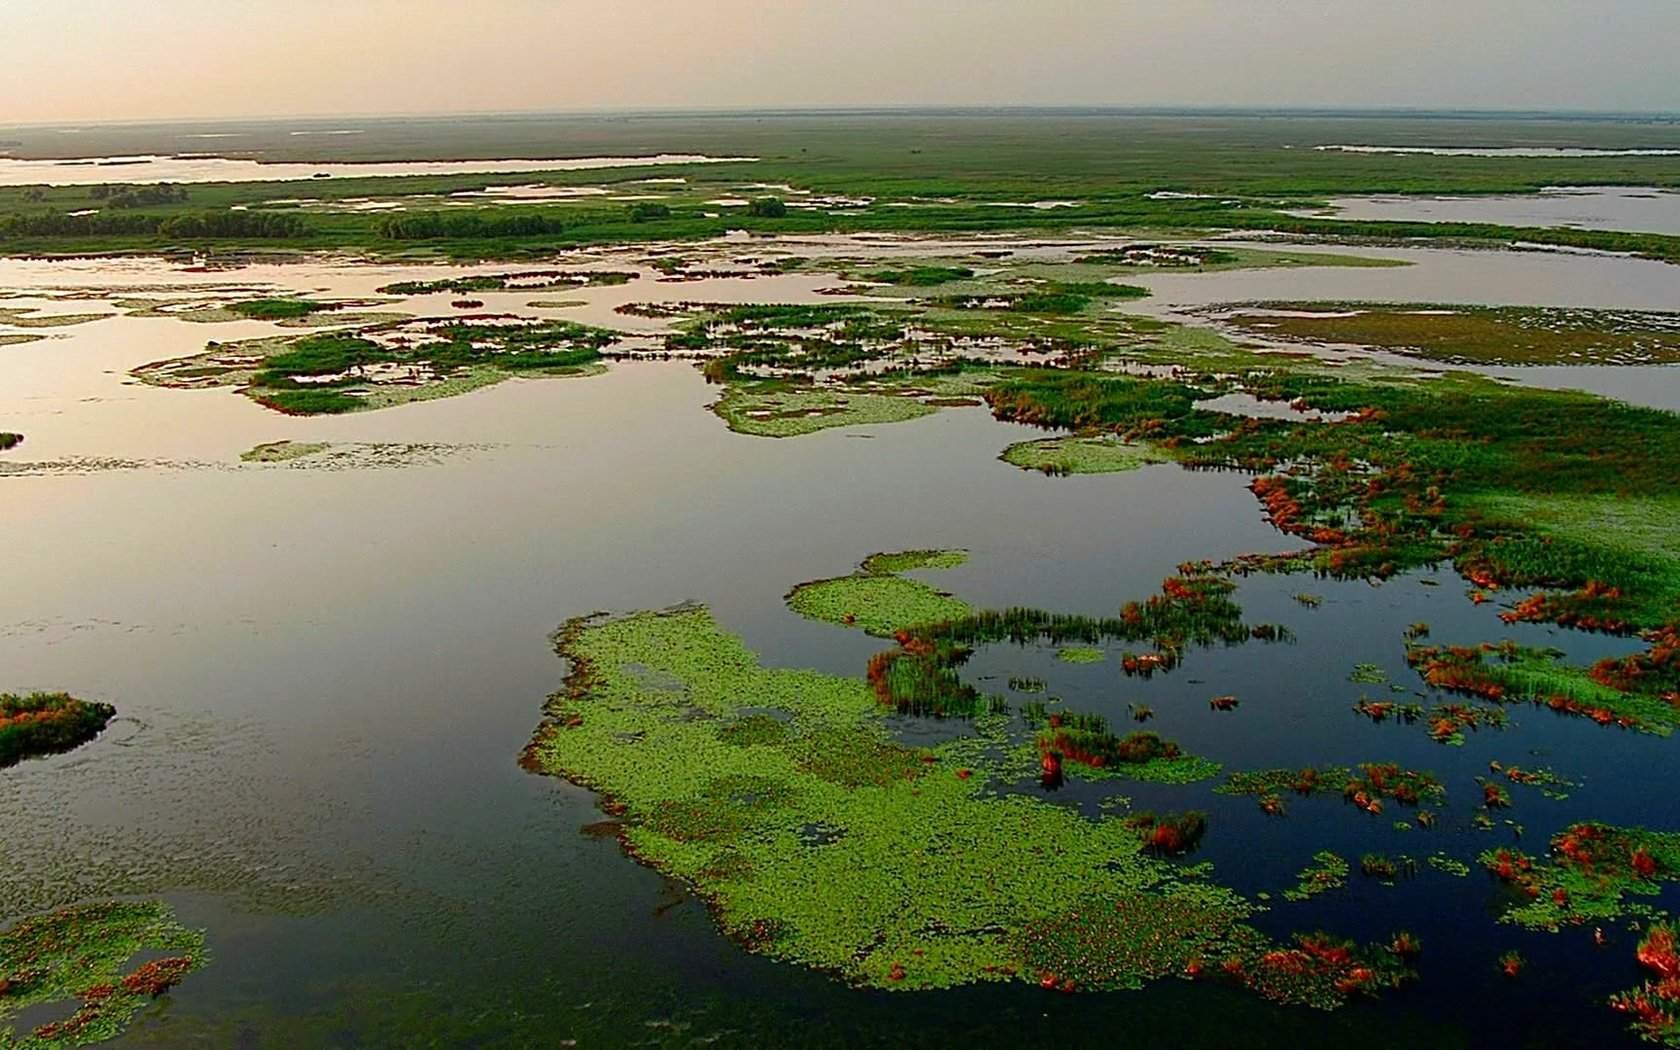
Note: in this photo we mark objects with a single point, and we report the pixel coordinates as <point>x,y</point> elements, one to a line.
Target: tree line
<point>259,225</point>
<point>431,225</point>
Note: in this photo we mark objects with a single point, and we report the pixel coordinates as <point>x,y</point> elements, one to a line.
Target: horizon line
<point>889,109</point>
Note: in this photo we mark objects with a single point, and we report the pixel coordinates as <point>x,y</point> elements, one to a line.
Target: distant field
<point>910,171</point>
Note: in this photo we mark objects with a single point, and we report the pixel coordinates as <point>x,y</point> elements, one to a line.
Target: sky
<point>88,60</point>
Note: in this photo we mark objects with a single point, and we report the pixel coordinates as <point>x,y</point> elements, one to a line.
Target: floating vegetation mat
<point>385,364</point>
<point>46,724</point>
<point>1091,454</point>
<point>877,599</point>
<point>1483,335</point>
<point>723,770</point>
<point>83,957</point>
<point>1593,870</point>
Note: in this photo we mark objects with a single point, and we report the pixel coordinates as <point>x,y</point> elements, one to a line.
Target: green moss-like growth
<point>1502,335</point>
<point>277,309</point>
<point>880,605</point>
<point>1091,454</point>
<point>83,955</point>
<point>878,600</point>
<point>768,410</point>
<point>964,885</point>
<point>47,724</point>
<point>921,275</point>
<point>893,562</point>
<point>282,451</point>
<point>1081,654</point>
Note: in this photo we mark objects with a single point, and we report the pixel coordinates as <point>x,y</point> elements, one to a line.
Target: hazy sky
<point>134,59</point>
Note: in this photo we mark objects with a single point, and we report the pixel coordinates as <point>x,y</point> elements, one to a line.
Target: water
<point>1634,208</point>
<point>325,677</point>
<point>183,167</point>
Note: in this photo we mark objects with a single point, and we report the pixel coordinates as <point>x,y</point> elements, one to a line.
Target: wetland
<point>1027,631</point>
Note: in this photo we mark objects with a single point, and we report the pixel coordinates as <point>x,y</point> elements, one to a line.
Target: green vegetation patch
<point>880,605</point>
<point>47,724</point>
<point>1087,454</point>
<point>277,309</point>
<point>1328,871</point>
<point>390,363</point>
<point>522,281</point>
<point>772,828</point>
<point>1641,691</point>
<point>283,451</point>
<point>1486,335</point>
<point>9,440</point>
<point>1593,870</point>
<point>878,600</point>
<point>892,562</point>
<point>921,275</point>
<point>776,411</point>
<point>82,956</point>
<point>28,317</point>
<point>1081,654</point>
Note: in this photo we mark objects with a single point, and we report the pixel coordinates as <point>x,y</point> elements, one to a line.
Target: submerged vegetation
<point>83,957</point>
<point>46,724</point>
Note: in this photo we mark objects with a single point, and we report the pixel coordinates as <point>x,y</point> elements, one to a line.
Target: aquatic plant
<point>1081,654</point>
<point>1087,743</point>
<point>9,440</point>
<point>80,955</point>
<point>1632,692</point>
<point>1327,872</point>
<point>1653,1008</point>
<point>1593,869</point>
<point>1511,964</point>
<point>1169,834</point>
<point>966,885</point>
<point>521,281</point>
<point>921,675</point>
<point>878,600</point>
<point>47,723</point>
<point>1095,454</point>
<point>893,562</point>
<point>277,309</point>
<point>1365,786</point>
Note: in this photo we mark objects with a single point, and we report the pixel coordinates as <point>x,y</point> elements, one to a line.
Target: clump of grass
<point>919,276</point>
<point>47,723</point>
<point>9,440</point>
<point>277,309</point>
